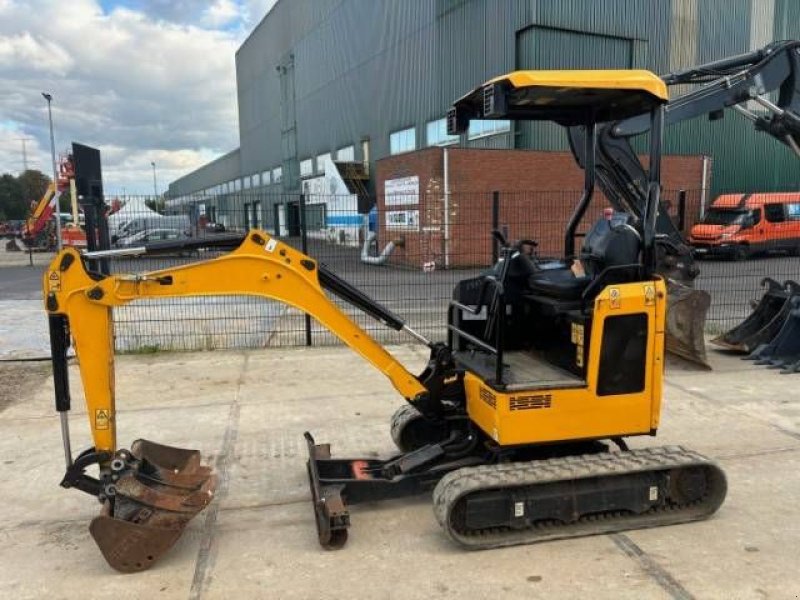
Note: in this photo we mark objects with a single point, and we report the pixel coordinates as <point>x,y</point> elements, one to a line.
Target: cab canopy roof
<point>567,97</point>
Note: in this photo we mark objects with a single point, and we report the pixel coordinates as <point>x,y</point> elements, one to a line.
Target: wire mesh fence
<point>408,254</point>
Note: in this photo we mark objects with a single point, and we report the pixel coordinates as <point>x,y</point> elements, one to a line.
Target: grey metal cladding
<point>365,68</point>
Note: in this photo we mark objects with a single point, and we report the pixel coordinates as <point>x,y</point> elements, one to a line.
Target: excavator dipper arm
<point>151,491</point>
<point>731,83</point>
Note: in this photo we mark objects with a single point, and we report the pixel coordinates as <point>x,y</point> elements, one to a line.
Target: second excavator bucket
<point>766,320</point>
<point>783,352</point>
<point>158,491</point>
<point>686,319</point>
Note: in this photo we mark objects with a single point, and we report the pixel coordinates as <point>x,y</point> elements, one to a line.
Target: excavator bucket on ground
<point>783,352</point>
<point>159,490</point>
<point>686,318</point>
<point>766,320</point>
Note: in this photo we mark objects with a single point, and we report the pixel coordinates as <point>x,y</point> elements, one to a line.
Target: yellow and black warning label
<point>649,295</point>
<point>102,418</point>
<point>576,335</point>
<point>614,297</point>
<point>54,281</point>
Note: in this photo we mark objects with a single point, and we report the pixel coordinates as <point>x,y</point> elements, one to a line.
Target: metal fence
<point>433,242</point>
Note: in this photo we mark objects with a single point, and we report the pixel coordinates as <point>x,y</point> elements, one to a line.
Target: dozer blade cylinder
<point>686,318</point>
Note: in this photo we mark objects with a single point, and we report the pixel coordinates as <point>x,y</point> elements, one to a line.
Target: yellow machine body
<point>543,415</point>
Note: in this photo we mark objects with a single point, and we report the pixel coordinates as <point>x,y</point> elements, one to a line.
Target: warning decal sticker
<point>102,418</point>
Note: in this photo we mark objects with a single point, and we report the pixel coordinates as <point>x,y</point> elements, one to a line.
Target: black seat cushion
<point>561,284</point>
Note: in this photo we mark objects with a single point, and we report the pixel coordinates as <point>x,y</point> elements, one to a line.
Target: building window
<point>256,215</point>
<point>246,182</point>
<point>321,158</point>
<point>436,133</point>
<point>277,174</point>
<point>480,128</point>
<point>346,154</point>
<point>265,178</point>
<point>404,140</point>
<point>237,185</point>
<point>255,180</point>
<point>306,167</point>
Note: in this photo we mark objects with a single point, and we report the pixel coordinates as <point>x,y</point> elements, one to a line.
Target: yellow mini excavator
<point>518,422</point>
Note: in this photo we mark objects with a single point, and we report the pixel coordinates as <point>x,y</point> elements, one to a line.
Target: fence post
<point>304,248</point>
<point>495,225</point>
<point>681,210</point>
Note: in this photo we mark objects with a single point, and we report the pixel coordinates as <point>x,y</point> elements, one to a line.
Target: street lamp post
<point>155,185</point>
<point>49,99</point>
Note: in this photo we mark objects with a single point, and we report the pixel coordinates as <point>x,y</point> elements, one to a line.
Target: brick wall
<point>538,192</point>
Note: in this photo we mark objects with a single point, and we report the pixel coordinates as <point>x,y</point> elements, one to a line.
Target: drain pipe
<point>446,210</point>
<point>703,190</point>
<point>383,256</point>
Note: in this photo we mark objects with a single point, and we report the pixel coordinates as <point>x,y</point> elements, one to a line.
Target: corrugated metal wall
<point>365,68</point>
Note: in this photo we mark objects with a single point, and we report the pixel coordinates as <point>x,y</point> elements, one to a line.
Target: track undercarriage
<point>487,497</point>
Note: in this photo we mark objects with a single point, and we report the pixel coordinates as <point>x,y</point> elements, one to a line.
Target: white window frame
<point>306,167</point>
<point>321,161</point>
<point>403,140</point>
<point>488,127</point>
<point>440,130</point>
<point>349,153</point>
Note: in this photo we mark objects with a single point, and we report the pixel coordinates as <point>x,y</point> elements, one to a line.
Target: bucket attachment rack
<point>770,335</point>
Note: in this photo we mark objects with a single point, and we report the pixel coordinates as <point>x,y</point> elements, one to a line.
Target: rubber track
<point>457,484</point>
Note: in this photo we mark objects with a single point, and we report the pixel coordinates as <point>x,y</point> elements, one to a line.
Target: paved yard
<point>247,412</point>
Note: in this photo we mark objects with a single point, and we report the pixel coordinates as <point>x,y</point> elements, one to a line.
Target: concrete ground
<point>247,411</point>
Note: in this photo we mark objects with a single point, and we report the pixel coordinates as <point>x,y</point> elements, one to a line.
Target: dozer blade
<point>686,319</point>
<point>156,495</point>
<point>766,320</point>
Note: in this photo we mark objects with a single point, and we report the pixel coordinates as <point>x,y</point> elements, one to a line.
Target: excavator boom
<point>151,491</point>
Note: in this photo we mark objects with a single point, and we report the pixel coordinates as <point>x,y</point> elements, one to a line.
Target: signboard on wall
<point>402,220</point>
<point>401,191</point>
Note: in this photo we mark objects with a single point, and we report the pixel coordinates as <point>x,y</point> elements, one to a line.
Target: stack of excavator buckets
<point>770,336</point>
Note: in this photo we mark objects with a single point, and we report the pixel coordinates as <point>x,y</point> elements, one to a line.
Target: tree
<point>34,183</point>
<point>12,198</point>
<point>158,205</point>
<point>17,193</point>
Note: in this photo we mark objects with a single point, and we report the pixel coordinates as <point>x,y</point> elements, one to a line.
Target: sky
<point>142,80</point>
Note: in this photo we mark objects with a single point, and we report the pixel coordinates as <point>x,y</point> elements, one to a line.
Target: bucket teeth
<point>153,502</point>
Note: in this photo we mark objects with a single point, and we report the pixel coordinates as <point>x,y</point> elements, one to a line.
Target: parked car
<point>738,225</point>
<point>153,235</point>
<point>151,223</point>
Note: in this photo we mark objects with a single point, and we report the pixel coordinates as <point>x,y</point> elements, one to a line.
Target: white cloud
<point>221,13</point>
<point>153,81</point>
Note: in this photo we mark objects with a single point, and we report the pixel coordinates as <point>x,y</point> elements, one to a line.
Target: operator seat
<point>610,242</point>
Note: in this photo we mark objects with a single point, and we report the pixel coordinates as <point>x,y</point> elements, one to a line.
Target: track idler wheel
<point>158,490</point>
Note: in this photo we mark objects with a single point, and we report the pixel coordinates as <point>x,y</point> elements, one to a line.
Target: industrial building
<point>352,82</point>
